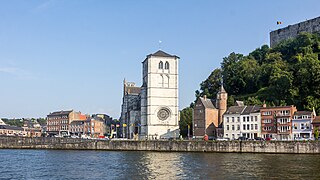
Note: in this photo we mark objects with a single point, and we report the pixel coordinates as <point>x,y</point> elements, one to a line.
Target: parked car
<point>222,139</point>
<point>259,139</point>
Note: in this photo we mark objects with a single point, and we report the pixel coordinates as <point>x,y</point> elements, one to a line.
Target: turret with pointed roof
<point>221,102</point>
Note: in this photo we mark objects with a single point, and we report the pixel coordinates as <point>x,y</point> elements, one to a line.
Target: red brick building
<point>276,122</point>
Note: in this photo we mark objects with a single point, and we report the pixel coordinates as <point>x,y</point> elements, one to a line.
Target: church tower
<point>159,96</point>
<point>222,97</point>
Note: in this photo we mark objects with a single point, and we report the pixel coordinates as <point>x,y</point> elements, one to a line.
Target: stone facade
<point>152,111</point>
<point>296,147</point>
<point>159,96</point>
<point>311,26</point>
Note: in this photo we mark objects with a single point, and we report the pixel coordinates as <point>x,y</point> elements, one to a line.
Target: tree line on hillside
<point>287,74</point>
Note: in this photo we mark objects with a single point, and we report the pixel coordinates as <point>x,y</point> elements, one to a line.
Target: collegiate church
<point>151,111</point>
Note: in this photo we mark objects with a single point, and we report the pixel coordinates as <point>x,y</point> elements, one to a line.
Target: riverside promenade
<point>294,147</point>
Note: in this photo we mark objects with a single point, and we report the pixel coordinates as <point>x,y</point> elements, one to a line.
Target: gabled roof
<point>251,109</point>
<point>235,109</point>
<point>207,103</point>
<point>299,113</point>
<point>60,112</point>
<point>161,53</point>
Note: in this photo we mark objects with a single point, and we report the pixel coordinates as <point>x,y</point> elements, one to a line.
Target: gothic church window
<point>161,65</point>
<point>166,65</point>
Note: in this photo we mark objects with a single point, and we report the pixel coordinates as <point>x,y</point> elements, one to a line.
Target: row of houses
<point>211,117</point>
<point>280,122</point>
<point>30,128</point>
<point>72,123</point>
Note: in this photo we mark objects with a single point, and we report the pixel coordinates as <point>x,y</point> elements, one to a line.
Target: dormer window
<point>166,66</point>
<point>161,65</point>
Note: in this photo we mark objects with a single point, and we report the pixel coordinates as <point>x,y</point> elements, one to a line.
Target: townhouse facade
<point>242,121</point>
<point>276,122</point>
<point>302,124</point>
<point>58,122</point>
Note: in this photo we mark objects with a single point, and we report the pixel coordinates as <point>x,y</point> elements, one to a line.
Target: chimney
<point>205,97</point>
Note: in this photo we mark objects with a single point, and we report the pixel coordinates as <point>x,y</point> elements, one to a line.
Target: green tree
<point>185,121</point>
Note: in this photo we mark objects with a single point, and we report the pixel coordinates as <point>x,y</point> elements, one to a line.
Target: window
<point>244,119</point>
<point>161,65</point>
<point>233,127</point>
<point>302,126</point>
<point>256,118</point>
<point>251,118</point>
<point>166,65</point>
<point>238,127</point>
<point>248,119</point>
<point>232,119</point>
<point>266,121</point>
<point>295,126</point>
<point>227,119</point>
<point>248,126</point>
<point>251,126</point>
<point>238,119</point>
<point>266,113</point>
<point>256,126</point>
<point>244,127</point>
<point>307,126</point>
<point>227,127</point>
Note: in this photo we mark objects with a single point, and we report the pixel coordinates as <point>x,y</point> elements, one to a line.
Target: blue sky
<point>61,55</point>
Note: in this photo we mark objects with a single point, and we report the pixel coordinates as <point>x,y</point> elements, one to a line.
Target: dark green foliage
<point>185,120</point>
<point>286,74</point>
<point>13,122</point>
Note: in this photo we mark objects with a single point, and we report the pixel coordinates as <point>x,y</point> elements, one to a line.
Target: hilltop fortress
<point>291,31</point>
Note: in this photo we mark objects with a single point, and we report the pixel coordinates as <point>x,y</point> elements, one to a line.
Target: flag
<point>124,125</point>
<point>279,22</point>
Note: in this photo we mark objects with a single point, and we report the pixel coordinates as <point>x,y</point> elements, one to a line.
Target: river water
<point>56,164</point>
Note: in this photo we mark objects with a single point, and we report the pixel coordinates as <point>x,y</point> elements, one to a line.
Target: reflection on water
<point>50,164</point>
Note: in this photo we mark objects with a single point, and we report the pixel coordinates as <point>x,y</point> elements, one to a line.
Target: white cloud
<point>17,72</point>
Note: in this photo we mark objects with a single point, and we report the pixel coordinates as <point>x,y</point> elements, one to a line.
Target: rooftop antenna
<point>160,44</point>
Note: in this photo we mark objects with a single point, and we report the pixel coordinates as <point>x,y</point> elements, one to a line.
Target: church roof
<point>132,90</point>
<point>161,53</point>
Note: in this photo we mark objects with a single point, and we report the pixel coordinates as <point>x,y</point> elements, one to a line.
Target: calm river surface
<point>56,164</point>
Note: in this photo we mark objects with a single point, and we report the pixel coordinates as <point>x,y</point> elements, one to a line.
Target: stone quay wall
<point>308,147</point>
<point>291,31</point>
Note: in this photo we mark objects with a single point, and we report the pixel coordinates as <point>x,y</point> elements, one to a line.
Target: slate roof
<point>60,113</point>
<point>251,109</point>
<point>207,103</point>
<point>235,109</point>
<point>162,54</point>
<point>299,113</point>
<point>11,127</point>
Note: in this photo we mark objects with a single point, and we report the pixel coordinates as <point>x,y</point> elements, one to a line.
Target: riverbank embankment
<point>303,147</point>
